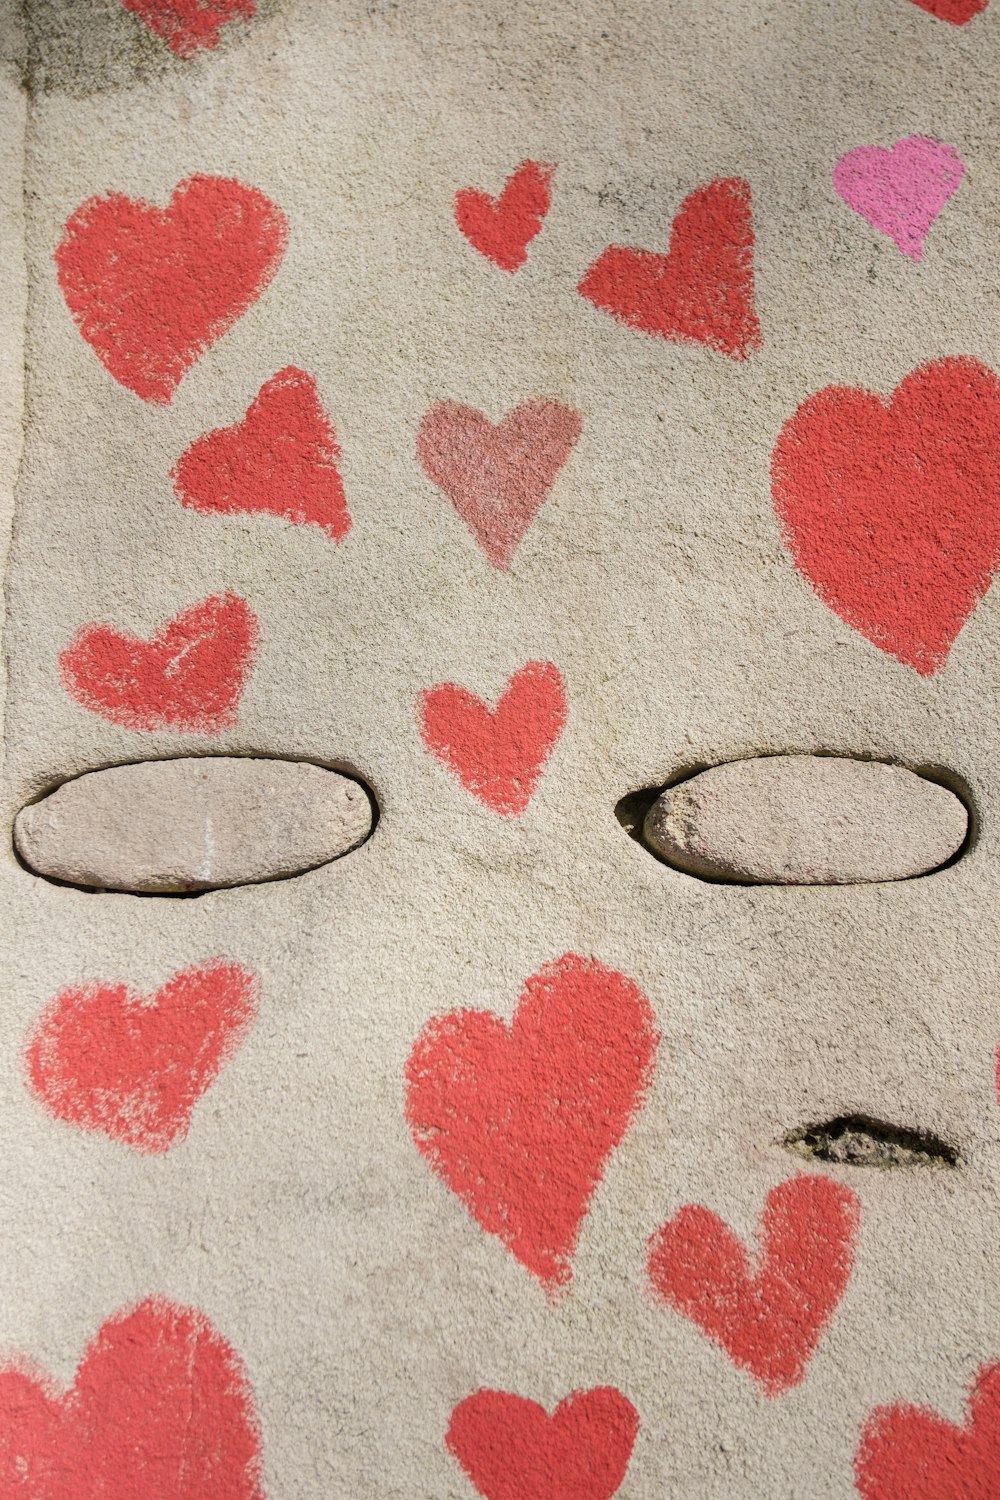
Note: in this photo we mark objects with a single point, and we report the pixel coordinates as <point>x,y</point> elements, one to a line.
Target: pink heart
<point>902,191</point>
<point>498,477</point>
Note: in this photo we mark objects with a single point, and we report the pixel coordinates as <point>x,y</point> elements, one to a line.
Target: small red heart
<point>160,1406</point>
<point>151,288</point>
<point>281,458</point>
<point>891,507</point>
<point>955,11</point>
<point>189,676</point>
<point>520,1120</point>
<point>502,228</point>
<point>771,1322</point>
<point>497,477</point>
<point>186,25</point>
<point>701,291</point>
<point>512,1449</point>
<point>911,1453</point>
<point>497,753</point>
<point>105,1058</point>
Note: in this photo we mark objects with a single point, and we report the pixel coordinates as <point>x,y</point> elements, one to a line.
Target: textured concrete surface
<point>339,1246</point>
<point>807,820</point>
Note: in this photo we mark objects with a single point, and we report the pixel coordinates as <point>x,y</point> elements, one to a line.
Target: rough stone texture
<point>363,1296</point>
<point>192,824</point>
<point>807,820</point>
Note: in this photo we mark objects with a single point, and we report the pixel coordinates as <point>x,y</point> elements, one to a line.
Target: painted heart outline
<point>160,1405</point>
<point>520,1119</point>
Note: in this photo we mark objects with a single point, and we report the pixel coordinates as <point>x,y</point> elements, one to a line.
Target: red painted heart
<point>497,477</point>
<point>769,1323</point>
<point>955,11</point>
<point>189,676</point>
<point>891,508</point>
<point>160,1406</point>
<point>151,288</point>
<point>520,1120</point>
<point>512,1449</point>
<point>701,291</point>
<point>502,228</point>
<point>186,25</point>
<point>497,753</point>
<point>281,458</point>
<point>105,1058</point>
<point>911,1453</point>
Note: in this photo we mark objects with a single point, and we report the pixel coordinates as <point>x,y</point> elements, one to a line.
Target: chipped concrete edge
<point>13,143</point>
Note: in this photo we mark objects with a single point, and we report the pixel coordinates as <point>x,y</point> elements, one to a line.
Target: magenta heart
<point>900,191</point>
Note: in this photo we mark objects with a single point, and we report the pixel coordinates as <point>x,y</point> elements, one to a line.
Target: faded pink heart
<point>497,477</point>
<point>900,191</point>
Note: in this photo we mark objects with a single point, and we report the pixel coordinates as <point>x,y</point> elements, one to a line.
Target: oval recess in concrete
<point>807,820</point>
<point>193,824</point>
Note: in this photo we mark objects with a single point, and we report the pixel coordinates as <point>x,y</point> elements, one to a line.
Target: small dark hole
<point>860,1141</point>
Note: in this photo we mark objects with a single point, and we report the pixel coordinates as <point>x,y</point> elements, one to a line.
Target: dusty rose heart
<point>186,25</point>
<point>512,1449</point>
<point>497,477</point>
<point>900,191</point>
<point>152,288</point>
<point>190,675</point>
<point>281,458</point>
<point>768,1321</point>
<point>502,228</point>
<point>520,1119</point>
<point>105,1058</point>
<point>160,1406</point>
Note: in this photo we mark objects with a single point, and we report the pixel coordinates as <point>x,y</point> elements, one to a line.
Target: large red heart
<point>497,477</point>
<point>512,1449</point>
<point>151,288</point>
<point>771,1322</point>
<point>520,1120</point>
<point>189,676</point>
<point>701,291</point>
<point>160,1407</point>
<point>106,1058</point>
<point>502,228</point>
<point>955,11</point>
<point>186,25</point>
<point>891,508</point>
<point>281,458</point>
<point>497,753</point>
<point>911,1453</point>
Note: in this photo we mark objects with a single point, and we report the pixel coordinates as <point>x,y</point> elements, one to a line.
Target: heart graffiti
<point>190,675</point>
<point>511,1448</point>
<point>891,507</point>
<point>502,228</point>
<point>519,1120</point>
<point>911,1453</point>
<point>902,191</point>
<point>186,25</point>
<point>770,1322</point>
<point>152,288</point>
<point>105,1058</point>
<point>160,1406</point>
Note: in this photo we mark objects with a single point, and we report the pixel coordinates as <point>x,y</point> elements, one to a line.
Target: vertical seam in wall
<point>13,396</point>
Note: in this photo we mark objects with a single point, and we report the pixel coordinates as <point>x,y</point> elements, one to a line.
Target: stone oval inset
<point>807,820</point>
<point>193,824</point>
